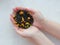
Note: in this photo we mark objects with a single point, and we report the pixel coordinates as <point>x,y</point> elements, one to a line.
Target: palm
<point>27,32</point>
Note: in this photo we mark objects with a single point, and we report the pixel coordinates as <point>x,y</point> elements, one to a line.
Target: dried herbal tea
<point>23,19</point>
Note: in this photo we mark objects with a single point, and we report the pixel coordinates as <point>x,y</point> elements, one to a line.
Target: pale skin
<point>34,32</point>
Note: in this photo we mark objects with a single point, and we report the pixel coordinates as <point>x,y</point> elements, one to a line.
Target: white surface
<point>49,8</point>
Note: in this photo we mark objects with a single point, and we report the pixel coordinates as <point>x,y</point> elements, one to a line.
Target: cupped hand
<point>38,19</point>
<point>25,32</point>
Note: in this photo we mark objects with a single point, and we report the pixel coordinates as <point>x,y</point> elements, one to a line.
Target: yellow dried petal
<point>27,22</point>
<point>22,19</point>
<point>22,24</point>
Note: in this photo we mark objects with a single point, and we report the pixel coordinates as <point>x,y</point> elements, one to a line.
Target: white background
<point>49,8</point>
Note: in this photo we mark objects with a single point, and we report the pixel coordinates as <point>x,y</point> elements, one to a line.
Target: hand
<point>24,32</point>
<point>32,34</point>
<point>37,16</point>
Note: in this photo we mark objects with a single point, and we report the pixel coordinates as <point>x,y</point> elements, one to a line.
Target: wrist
<point>43,22</point>
<point>38,35</point>
<point>41,39</point>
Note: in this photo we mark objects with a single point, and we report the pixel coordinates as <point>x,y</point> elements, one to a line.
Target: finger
<point>11,18</point>
<point>14,23</point>
<point>14,9</point>
<point>18,8</point>
<point>30,10</point>
<point>15,26</point>
<point>21,8</point>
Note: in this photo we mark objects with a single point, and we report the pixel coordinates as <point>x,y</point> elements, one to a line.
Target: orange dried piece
<point>17,24</point>
<point>21,12</point>
<point>28,17</point>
